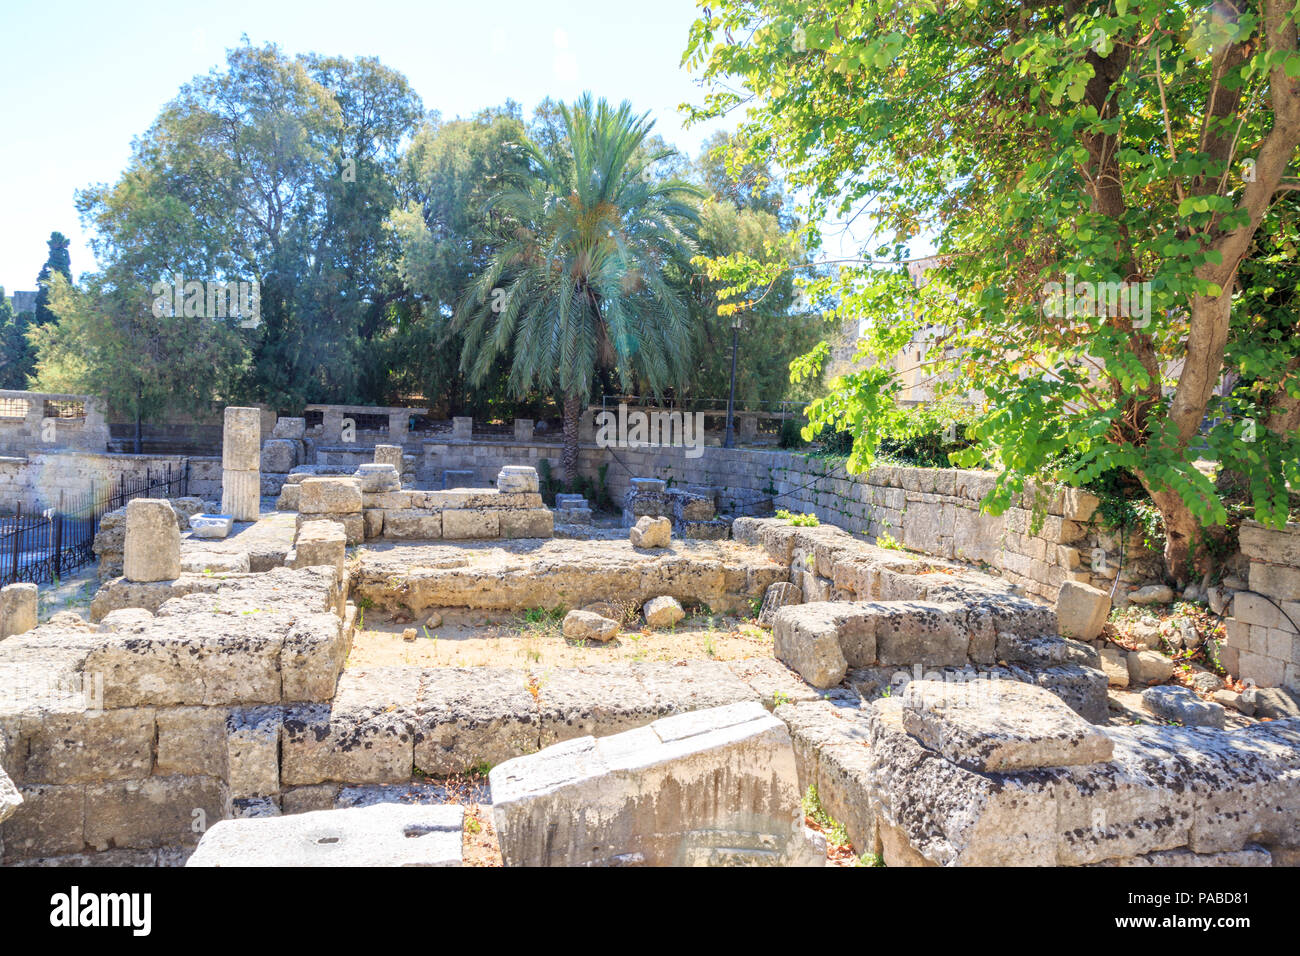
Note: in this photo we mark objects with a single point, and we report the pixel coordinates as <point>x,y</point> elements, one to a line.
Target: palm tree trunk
<point>572,413</point>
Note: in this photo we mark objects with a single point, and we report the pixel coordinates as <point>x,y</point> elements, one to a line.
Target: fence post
<point>17,548</point>
<point>56,553</point>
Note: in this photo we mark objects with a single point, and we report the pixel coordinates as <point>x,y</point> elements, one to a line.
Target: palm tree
<point>591,268</point>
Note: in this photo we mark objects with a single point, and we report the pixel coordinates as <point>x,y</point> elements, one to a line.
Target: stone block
<point>389,455</point>
<point>241,494</point>
<point>319,543</point>
<point>1149,667</point>
<point>651,532</point>
<point>464,523</point>
<point>713,786</point>
<point>383,834</point>
<point>991,726</point>
<point>662,611</point>
<point>253,746</point>
<point>806,638</point>
<point>279,456</point>
<point>294,429</point>
<point>156,811</point>
<point>353,525</point>
<point>1081,610</point>
<point>330,496</point>
<point>153,541</point>
<point>1182,705</point>
<point>192,741</point>
<point>778,595</point>
<point>18,604</point>
<point>289,497</point>
<point>378,478</point>
<point>211,526</point>
<point>527,523</point>
<point>411,525</point>
<point>589,626</point>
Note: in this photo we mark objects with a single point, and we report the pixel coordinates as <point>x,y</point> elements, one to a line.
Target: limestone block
<point>389,455</point>
<point>88,746</point>
<point>1152,594</point>
<point>662,611</point>
<point>378,478</point>
<point>383,834</point>
<point>294,429</point>
<point>192,741</point>
<point>412,525</point>
<point>10,799</point>
<point>460,523</point>
<point>589,626</point>
<point>17,609</point>
<point>374,522</point>
<point>319,543</point>
<point>1081,610</point>
<point>211,526</point>
<point>241,439</point>
<point>279,455</point>
<point>153,541</point>
<point>353,525</point>
<point>806,638</point>
<point>715,786</point>
<point>778,595</point>
<point>215,562</point>
<point>156,811</point>
<point>1182,705</point>
<point>651,532</point>
<point>49,821</point>
<point>1149,667</point>
<point>527,523</point>
<point>253,742</point>
<point>462,427</point>
<point>999,725</point>
<point>330,496</point>
<point>1114,662</point>
<point>289,497</point>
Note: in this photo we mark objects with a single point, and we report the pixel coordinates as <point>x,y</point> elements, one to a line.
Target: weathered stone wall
<point>1263,632</point>
<point>135,736</point>
<point>37,480</point>
<point>30,421</point>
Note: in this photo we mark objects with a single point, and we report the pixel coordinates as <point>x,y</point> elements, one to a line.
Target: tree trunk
<point>1185,557</point>
<point>572,414</point>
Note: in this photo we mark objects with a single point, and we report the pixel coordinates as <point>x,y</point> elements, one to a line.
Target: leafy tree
<point>590,267</point>
<point>108,340</point>
<point>15,352</point>
<point>776,325</point>
<point>1142,142</point>
<point>448,174</point>
<point>58,261</point>
<point>282,171</point>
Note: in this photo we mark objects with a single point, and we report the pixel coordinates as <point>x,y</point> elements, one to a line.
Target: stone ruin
<point>692,514</point>
<point>944,718</point>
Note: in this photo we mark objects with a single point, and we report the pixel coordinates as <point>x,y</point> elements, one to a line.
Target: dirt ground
<point>536,638</point>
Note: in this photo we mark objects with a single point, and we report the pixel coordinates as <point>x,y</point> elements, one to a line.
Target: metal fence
<point>42,546</point>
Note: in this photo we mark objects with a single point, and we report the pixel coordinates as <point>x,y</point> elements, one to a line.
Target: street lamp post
<point>729,440</point>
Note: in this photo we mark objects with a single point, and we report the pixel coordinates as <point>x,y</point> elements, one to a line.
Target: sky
<point>79,80</point>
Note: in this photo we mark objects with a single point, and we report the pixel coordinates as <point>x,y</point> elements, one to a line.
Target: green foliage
<point>1144,142</point>
<point>799,520</point>
<point>791,435</point>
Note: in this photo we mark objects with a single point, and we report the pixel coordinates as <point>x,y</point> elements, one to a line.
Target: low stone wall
<point>136,735</point>
<point>1263,631</point>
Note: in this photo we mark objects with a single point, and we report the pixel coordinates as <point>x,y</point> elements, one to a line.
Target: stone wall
<point>1263,633</point>
<point>34,421</point>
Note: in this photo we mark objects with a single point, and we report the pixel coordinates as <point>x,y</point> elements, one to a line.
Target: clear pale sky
<point>79,79</point>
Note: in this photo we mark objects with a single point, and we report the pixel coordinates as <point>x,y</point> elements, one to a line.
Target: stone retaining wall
<point>1263,632</point>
